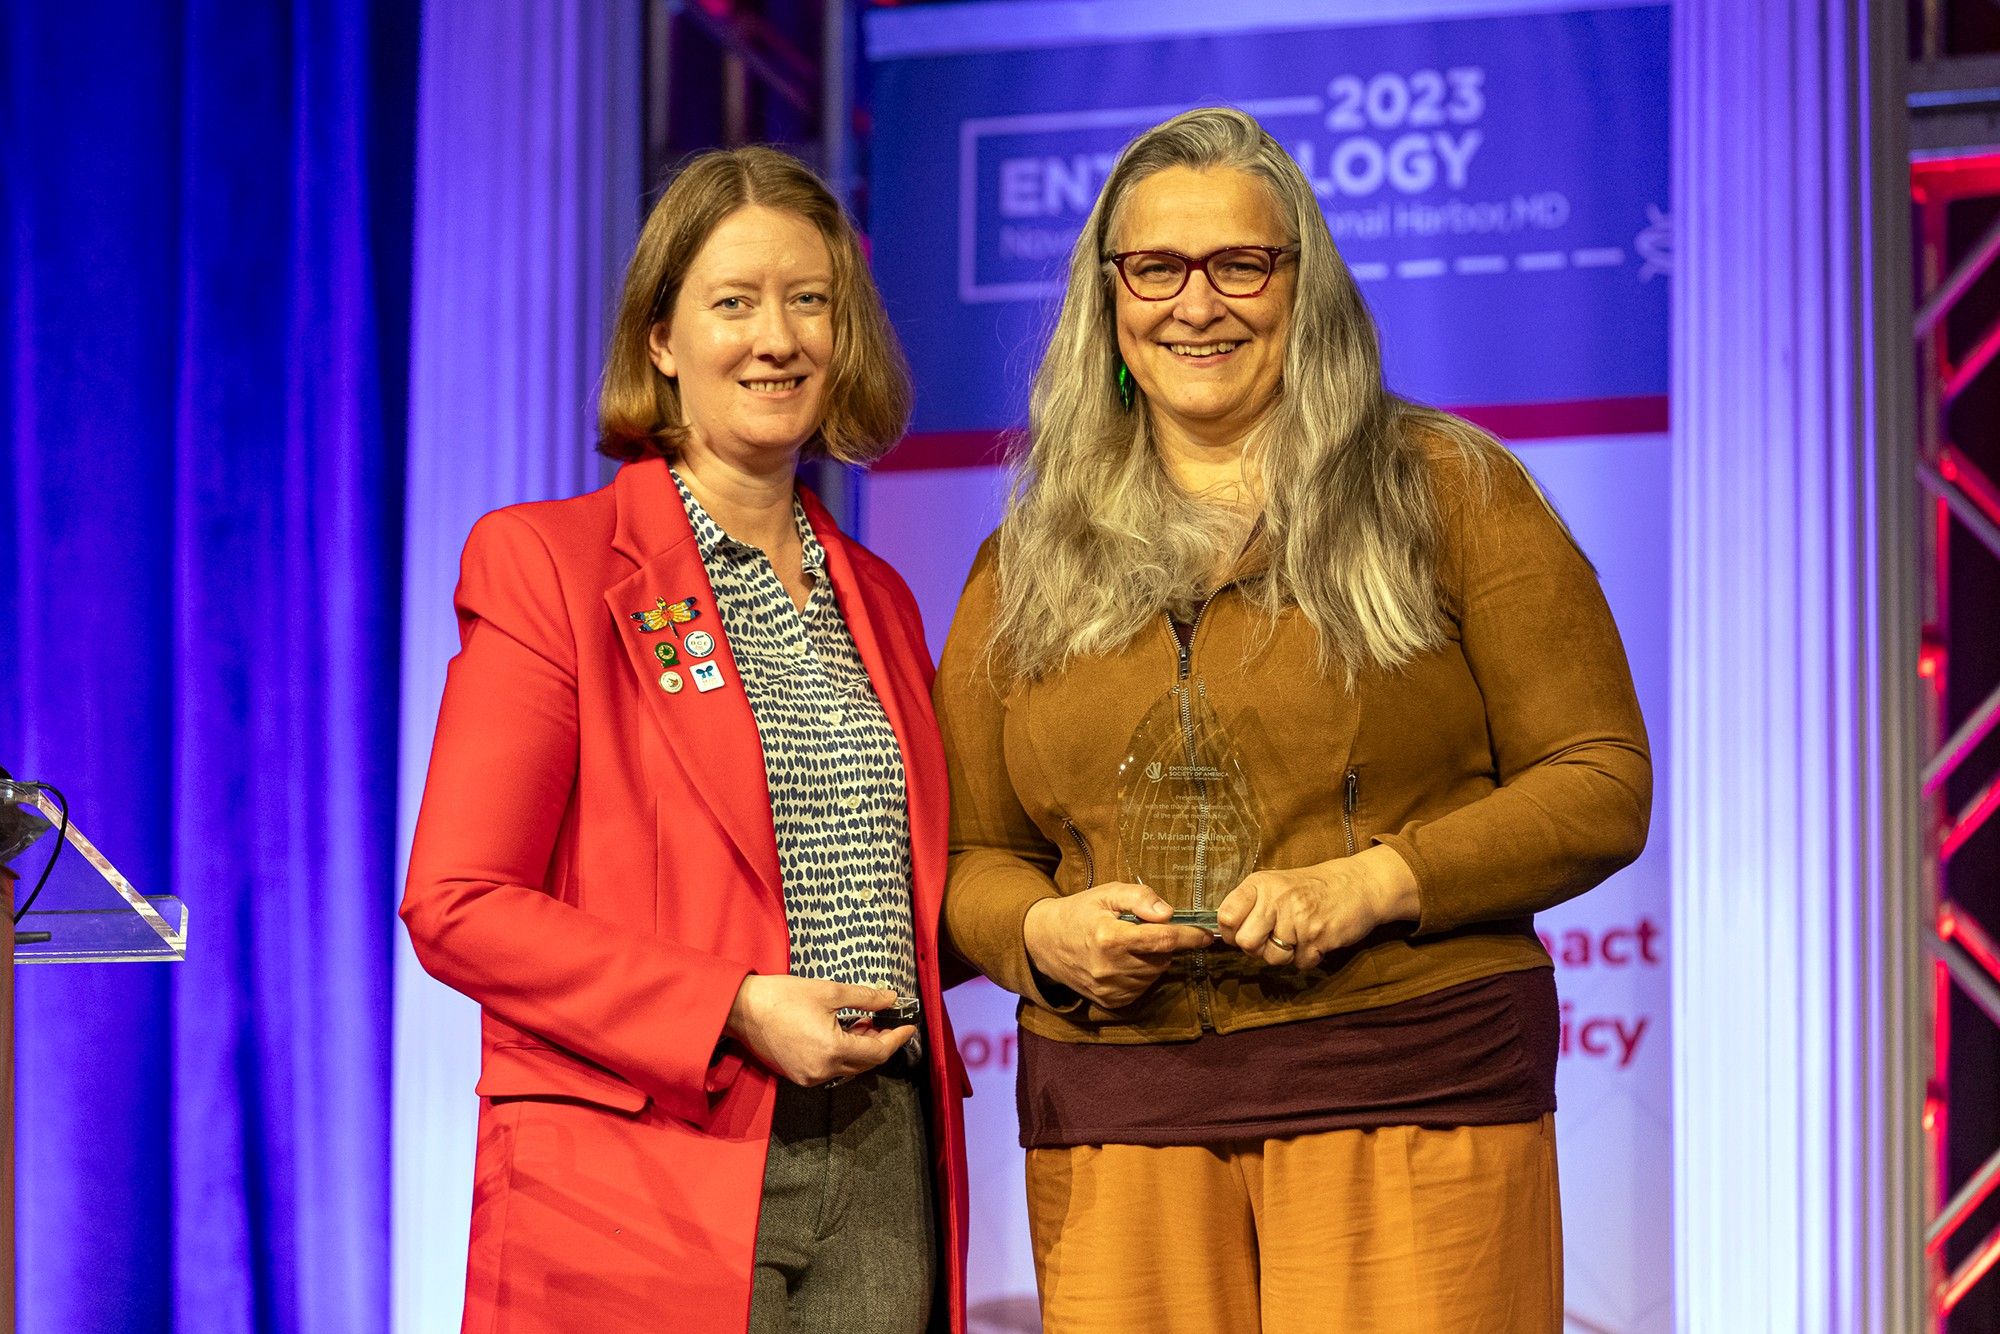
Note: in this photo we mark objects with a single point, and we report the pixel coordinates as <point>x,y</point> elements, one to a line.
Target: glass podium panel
<point>87,911</point>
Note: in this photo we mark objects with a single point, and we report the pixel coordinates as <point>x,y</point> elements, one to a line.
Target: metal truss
<point>778,58</point>
<point>1955,141</point>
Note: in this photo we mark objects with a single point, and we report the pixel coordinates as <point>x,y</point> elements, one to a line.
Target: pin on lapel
<point>664,651</point>
<point>663,614</point>
<point>670,681</point>
<point>699,644</point>
<point>707,676</point>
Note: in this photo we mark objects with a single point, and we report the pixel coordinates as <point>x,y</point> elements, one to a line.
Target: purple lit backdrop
<point>207,212</point>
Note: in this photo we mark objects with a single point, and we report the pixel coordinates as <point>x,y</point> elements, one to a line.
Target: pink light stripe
<point>1976,814</point>
<point>1643,414</point>
<point>1971,937</point>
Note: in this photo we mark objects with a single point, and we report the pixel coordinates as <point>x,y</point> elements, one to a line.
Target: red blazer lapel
<point>712,733</point>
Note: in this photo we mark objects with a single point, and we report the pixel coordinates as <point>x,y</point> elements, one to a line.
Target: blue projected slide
<point>1498,183</point>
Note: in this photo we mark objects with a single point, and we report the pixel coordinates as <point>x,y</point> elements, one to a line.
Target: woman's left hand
<point>1299,917</point>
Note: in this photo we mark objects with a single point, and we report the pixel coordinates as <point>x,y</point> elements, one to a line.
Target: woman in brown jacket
<point>1258,638</point>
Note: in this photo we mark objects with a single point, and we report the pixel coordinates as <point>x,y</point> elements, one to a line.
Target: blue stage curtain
<point>208,218</point>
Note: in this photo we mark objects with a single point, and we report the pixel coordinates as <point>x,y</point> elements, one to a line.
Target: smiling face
<point>1209,364</point>
<point>750,338</point>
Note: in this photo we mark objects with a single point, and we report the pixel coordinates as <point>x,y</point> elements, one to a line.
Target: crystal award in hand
<point>1188,819</point>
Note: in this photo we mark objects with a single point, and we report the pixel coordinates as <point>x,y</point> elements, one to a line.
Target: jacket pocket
<point>528,1070</point>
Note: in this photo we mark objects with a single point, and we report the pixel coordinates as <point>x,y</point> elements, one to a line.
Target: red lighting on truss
<point>1969,822</point>
<point>1951,362</point>
<point>1965,932</point>
<point>1975,485</point>
<point>1955,178</point>
<point>1969,1273</point>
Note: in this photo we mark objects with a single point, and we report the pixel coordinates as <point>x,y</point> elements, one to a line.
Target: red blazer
<point>595,865</point>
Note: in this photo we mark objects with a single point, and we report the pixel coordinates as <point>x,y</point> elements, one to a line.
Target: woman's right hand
<point>792,1024</point>
<point>1078,941</point>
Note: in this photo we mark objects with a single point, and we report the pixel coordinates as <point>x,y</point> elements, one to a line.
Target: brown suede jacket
<point>1509,768</point>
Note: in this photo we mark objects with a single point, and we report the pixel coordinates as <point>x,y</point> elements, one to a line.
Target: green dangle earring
<point>1126,389</point>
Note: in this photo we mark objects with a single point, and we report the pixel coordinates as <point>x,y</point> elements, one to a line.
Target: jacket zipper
<point>1202,984</point>
<point>1083,850</point>
<point>1347,809</point>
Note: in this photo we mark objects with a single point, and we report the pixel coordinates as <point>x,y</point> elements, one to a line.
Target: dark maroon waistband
<point>1480,1053</point>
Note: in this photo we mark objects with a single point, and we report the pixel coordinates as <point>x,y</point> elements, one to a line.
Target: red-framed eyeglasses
<point>1162,275</point>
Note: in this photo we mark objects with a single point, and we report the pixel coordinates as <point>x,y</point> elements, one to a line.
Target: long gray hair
<point>1098,539</point>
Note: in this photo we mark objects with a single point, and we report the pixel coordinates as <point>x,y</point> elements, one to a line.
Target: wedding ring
<point>1283,944</point>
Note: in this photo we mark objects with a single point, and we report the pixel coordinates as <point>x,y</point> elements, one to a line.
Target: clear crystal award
<point>1188,817</point>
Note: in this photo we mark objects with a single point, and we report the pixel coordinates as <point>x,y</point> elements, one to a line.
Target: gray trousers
<point>846,1239</point>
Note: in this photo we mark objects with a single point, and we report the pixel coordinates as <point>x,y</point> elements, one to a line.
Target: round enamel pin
<point>670,681</point>
<point>699,644</point>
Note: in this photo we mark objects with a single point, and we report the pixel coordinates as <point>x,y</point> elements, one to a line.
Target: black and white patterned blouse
<point>831,760</point>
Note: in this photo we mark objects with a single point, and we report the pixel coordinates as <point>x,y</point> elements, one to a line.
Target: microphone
<point>20,826</point>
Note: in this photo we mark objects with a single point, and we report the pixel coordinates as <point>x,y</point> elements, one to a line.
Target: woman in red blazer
<point>612,858</point>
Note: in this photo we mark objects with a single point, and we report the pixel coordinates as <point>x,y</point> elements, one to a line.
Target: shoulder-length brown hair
<point>868,384</point>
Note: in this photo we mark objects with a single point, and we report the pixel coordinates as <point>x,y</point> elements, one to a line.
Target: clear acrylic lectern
<point>86,912</point>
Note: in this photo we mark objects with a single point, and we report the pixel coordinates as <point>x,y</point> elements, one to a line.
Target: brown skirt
<point>1384,1231</point>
